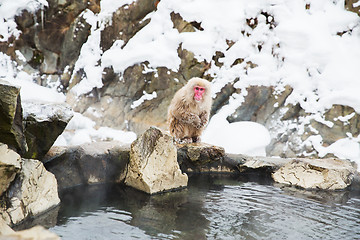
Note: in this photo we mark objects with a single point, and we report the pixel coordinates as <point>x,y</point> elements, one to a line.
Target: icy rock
<point>11,125</point>
<point>33,192</point>
<point>327,174</point>
<point>153,165</point>
<point>44,122</point>
<point>9,166</point>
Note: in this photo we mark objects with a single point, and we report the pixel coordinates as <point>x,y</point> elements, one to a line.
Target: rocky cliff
<point>72,45</point>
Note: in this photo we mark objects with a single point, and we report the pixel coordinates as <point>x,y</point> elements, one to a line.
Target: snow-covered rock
<point>44,122</point>
<point>153,165</point>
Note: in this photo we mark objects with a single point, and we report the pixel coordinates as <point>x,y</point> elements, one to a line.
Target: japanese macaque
<point>189,111</point>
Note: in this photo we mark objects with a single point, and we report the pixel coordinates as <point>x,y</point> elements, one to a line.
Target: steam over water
<point>213,207</point>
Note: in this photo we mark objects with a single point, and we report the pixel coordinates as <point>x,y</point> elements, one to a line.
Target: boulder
<point>90,163</point>
<point>153,165</point>
<point>11,125</point>
<point>9,166</point>
<point>34,233</point>
<point>34,191</point>
<point>328,174</point>
<point>202,157</point>
<point>4,228</point>
<point>44,122</point>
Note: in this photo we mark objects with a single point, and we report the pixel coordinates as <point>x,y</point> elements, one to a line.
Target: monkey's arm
<point>204,118</point>
<point>187,117</point>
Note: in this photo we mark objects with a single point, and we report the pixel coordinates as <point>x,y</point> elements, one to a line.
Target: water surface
<point>212,207</point>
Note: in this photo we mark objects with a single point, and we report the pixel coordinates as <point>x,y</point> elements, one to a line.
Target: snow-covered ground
<point>315,50</point>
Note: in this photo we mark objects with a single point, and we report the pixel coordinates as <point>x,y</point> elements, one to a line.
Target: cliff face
<point>121,64</point>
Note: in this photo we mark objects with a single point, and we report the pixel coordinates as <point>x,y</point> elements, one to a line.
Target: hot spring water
<point>212,207</point>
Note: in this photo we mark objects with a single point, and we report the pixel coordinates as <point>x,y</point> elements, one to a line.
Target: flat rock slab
<point>259,163</point>
<point>327,174</point>
<point>205,158</point>
<point>90,163</point>
<point>153,165</point>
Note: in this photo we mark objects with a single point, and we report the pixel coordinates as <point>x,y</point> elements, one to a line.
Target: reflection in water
<point>47,220</point>
<point>213,207</point>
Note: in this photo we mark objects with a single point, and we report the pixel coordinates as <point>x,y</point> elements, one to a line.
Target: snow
<point>90,51</point>
<point>345,119</point>
<point>143,98</point>
<point>45,111</point>
<point>239,137</point>
<point>345,148</point>
<point>29,91</point>
<point>82,130</point>
<point>11,8</point>
<point>88,59</point>
<point>316,51</point>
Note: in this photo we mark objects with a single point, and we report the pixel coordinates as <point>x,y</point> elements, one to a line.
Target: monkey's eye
<point>199,89</point>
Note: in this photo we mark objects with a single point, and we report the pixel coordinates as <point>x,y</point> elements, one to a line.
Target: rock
<point>327,174</point>
<point>202,157</point>
<point>259,104</point>
<point>268,164</point>
<point>4,228</point>
<point>353,6</point>
<point>340,128</point>
<point>33,192</point>
<point>126,22</point>
<point>153,165</point>
<point>11,125</point>
<point>34,233</point>
<point>74,38</point>
<point>180,24</point>
<point>50,62</point>
<point>44,122</point>
<point>90,163</point>
<point>9,166</point>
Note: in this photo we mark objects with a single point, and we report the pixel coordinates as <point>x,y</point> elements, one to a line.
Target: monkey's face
<point>198,93</point>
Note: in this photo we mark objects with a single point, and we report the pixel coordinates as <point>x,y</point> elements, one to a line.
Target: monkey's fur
<point>188,118</point>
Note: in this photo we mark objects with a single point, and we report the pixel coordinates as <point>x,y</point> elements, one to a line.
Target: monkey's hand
<point>192,119</point>
<point>203,118</point>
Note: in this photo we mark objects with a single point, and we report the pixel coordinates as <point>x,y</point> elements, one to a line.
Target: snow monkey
<point>189,110</point>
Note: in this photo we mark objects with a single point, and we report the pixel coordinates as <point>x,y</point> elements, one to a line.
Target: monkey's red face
<point>198,93</point>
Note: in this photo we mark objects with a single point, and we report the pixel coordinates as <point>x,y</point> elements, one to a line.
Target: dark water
<point>212,207</point>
